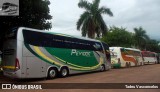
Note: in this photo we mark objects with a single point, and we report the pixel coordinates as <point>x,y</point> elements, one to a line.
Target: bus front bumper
<point>116,65</point>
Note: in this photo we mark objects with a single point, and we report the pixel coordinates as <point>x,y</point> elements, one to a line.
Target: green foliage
<point>118,37</point>
<point>91,22</point>
<point>152,45</point>
<point>140,37</point>
<point>32,13</point>
<point>143,42</point>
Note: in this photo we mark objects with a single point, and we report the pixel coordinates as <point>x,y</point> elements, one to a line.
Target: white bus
<point>125,57</point>
<point>149,57</point>
<point>36,54</point>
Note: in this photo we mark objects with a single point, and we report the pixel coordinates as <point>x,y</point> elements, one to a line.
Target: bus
<point>149,57</point>
<point>125,57</point>
<point>33,53</point>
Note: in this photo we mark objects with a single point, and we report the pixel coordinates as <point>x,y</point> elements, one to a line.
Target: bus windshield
<point>113,54</point>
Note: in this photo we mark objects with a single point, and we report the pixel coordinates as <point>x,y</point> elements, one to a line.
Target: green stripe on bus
<point>29,48</point>
<point>77,60</point>
<point>33,52</point>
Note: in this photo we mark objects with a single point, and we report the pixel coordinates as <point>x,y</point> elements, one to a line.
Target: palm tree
<point>91,22</point>
<point>140,38</point>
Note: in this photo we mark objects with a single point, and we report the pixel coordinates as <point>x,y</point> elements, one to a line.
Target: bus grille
<point>8,52</point>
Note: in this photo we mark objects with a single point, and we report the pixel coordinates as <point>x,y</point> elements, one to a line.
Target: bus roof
<point>149,52</point>
<point>126,48</point>
<point>37,30</point>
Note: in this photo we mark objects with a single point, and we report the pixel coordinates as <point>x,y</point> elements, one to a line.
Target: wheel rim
<point>64,72</point>
<point>102,68</point>
<point>52,73</point>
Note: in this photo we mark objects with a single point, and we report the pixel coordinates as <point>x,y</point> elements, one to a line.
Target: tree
<point>32,13</point>
<point>152,45</point>
<point>118,37</point>
<point>140,38</point>
<point>91,22</point>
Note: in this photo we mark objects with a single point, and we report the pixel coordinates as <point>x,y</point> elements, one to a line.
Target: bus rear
<point>10,62</point>
<point>149,57</point>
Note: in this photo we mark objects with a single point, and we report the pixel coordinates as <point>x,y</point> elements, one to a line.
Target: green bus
<point>33,53</point>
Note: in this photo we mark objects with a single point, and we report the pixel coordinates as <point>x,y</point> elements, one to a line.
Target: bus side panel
<point>33,67</point>
<point>133,57</point>
<point>76,60</point>
<point>107,65</point>
<point>23,68</point>
<point>123,59</point>
<point>149,60</point>
<point>129,57</point>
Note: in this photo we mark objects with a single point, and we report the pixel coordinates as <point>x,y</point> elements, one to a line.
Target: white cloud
<point>127,13</point>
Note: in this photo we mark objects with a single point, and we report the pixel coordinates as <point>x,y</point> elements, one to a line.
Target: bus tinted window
<point>52,40</point>
<point>106,47</point>
<point>148,54</point>
<point>130,52</point>
<point>152,55</point>
<point>137,53</point>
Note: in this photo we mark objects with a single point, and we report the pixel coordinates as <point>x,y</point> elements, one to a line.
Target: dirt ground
<point>142,74</point>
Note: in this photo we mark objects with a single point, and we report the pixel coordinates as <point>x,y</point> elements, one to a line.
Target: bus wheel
<point>102,68</point>
<point>129,64</point>
<point>136,64</point>
<point>64,72</point>
<point>52,73</point>
<point>126,65</point>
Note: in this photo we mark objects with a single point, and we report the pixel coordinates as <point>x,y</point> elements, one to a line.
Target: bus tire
<point>52,73</point>
<point>102,68</point>
<point>64,72</point>
<point>129,64</point>
<point>126,65</point>
<point>155,62</point>
<point>140,64</point>
<point>136,64</point>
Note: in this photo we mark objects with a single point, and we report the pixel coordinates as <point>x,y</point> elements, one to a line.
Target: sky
<point>127,13</point>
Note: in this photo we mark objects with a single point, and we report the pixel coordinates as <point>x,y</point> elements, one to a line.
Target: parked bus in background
<point>149,57</point>
<point>125,57</point>
<point>35,54</point>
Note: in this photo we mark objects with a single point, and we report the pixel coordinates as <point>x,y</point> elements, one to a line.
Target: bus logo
<point>8,8</point>
<point>80,53</point>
